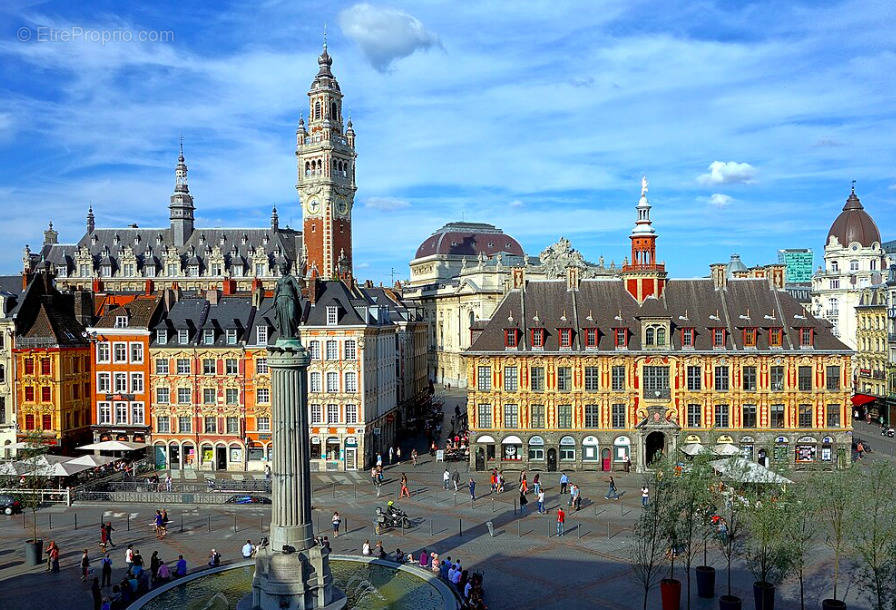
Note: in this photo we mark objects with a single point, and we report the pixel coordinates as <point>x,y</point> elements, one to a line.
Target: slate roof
<point>686,303</point>
<point>469,238</point>
<point>854,224</point>
<point>140,313</point>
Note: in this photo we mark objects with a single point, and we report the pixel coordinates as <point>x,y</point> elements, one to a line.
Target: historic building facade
<point>10,289</point>
<point>120,340</point>
<point>461,272</point>
<point>853,260</point>
<point>587,373</point>
<point>871,359</point>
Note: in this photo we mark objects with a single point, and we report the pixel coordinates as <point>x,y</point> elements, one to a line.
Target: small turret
<point>275,219</point>
<point>51,236</point>
<point>91,225</point>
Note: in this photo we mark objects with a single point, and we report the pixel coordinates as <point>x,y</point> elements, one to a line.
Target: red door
<point>605,460</point>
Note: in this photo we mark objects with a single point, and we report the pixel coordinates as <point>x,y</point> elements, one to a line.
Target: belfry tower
<point>325,155</point>
<point>643,276</point>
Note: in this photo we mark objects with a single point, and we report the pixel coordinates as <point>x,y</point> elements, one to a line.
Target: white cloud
<point>385,34</point>
<point>719,200</point>
<point>386,203</point>
<point>728,172</point>
<point>516,203</point>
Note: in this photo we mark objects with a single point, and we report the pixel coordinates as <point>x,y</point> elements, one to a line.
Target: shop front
<point>511,449</point>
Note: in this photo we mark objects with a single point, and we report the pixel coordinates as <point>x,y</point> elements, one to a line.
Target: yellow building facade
<point>871,342</point>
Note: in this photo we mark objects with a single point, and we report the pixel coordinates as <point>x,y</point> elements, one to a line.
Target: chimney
<point>229,287</point>
<point>312,290</point>
<point>83,307</point>
<point>776,275</point>
<point>519,278</point>
<point>572,278</point>
<point>148,287</point>
<point>719,274</point>
<point>257,296</point>
<point>212,296</point>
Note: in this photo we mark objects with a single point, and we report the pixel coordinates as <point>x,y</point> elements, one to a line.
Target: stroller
<point>391,517</point>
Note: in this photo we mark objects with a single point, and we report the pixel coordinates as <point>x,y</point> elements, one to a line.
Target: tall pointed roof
<point>854,224</point>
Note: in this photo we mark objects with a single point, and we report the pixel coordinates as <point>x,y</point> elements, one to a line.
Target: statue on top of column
<point>286,304</point>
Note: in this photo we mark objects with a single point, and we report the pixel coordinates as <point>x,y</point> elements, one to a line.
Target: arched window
<point>472,318</point>
<point>835,266</point>
<point>873,264</point>
<point>317,110</point>
<point>853,265</point>
<point>333,112</point>
<point>307,168</point>
<point>661,336</point>
<point>648,336</point>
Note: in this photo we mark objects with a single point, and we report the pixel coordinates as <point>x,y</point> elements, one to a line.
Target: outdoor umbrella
<point>726,449</point>
<point>113,446</point>
<point>91,460</point>
<point>693,449</point>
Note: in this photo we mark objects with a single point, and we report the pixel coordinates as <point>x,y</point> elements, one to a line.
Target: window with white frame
<point>261,365</point>
<point>230,335</point>
<point>316,414</point>
<point>103,383</point>
<point>314,350</point>
<point>184,425</point>
<point>332,315</point>
<point>136,353</point>
<point>332,382</point>
<point>163,396</point>
<point>351,414</point>
<point>351,381</point>
<point>163,424</point>
<point>264,424</point>
<point>183,396</point>
<point>231,366</point>
<point>332,350</point>
<point>137,413</point>
<point>332,414</point>
<point>263,395</point>
<point>161,366</point>
<point>208,396</point>
<point>183,336</point>
<point>162,336</point>
<point>208,366</point>
<point>121,321</point>
<point>121,383</point>
<point>350,347</point>
<point>314,382</point>
<point>104,412</point>
<point>261,334</point>
<point>231,396</point>
<point>121,412</point>
<point>136,383</point>
<point>211,424</point>
<point>233,425</point>
<point>103,352</point>
<point>120,352</point>
<point>183,366</point>
<point>208,336</point>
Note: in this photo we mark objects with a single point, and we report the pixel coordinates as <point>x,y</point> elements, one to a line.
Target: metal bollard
<point>518,528</point>
<point>608,529</point>
<point>181,523</point>
<point>129,521</point>
<point>514,507</point>
<point>356,490</point>
<point>334,490</point>
<point>50,516</point>
<point>76,520</point>
<point>345,526</point>
<point>430,528</point>
<point>460,527</point>
<point>234,523</point>
<point>209,523</point>
<point>549,527</point>
<point>579,530</point>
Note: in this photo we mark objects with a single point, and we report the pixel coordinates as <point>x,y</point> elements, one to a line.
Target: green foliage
<point>836,503</point>
<point>34,479</point>
<point>768,553</point>
<point>873,533</point>
<point>652,531</point>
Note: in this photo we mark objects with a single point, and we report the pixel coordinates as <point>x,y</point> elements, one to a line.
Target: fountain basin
<point>369,584</point>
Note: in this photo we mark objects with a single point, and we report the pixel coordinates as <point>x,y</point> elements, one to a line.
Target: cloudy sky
<point>749,119</point>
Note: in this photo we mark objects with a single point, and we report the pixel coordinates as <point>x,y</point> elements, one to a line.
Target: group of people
<point>160,523</point>
<point>137,580</point>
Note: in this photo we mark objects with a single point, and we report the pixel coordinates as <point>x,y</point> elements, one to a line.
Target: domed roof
<point>735,264</point>
<point>854,224</point>
<point>469,239</point>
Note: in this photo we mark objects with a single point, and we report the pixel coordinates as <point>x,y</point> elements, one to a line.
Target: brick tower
<point>643,275</point>
<point>325,155</point>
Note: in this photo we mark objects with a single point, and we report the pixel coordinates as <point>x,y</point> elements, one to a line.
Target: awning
<point>694,449</point>
<point>113,446</point>
<point>485,438</point>
<point>744,471</point>
<point>512,440</point>
<point>725,449</point>
<point>862,399</point>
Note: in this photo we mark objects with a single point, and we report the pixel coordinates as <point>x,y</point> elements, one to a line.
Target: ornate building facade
<point>10,289</point>
<point>871,359</point>
<point>853,260</point>
<point>580,373</point>
<point>461,272</point>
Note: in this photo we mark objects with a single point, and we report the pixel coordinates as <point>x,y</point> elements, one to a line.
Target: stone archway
<point>654,446</point>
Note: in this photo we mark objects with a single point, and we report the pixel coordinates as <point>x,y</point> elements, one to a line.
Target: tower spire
<point>181,202</point>
<point>90,219</point>
<point>643,275</point>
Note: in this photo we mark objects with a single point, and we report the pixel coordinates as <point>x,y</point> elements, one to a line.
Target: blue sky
<point>749,119</point>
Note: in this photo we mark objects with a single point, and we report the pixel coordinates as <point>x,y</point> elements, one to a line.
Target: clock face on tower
<point>314,206</point>
<point>341,206</point>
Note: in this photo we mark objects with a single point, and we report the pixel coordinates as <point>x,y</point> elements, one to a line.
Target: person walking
<point>109,529</point>
<point>536,484</point>
<point>168,482</point>
<point>97,594</point>
<point>85,566</point>
<point>379,459</point>
<point>404,487</point>
<point>49,551</point>
<point>107,571</point>
<point>398,453</point>
<point>267,472</point>
<point>564,482</point>
<point>472,489</point>
<point>576,496</point>
<point>455,478</point>
<point>611,490</point>
<point>129,557</point>
<point>103,538</point>
<point>541,510</point>
<point>391,454</point>
<point>645,495</point>
<point>561,519</point>
<point>414,457</point>
<point>159,523</point>
<point>628,463</point>
<point>337,521</point>
<point>523,502</point>
<point>445,478</point>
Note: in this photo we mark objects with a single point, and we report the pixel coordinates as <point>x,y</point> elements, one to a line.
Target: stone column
<point>291,519</point>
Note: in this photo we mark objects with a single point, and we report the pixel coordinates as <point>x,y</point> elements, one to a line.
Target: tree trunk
<point>802,592</point>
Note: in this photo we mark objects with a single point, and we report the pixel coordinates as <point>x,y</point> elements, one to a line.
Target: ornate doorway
<point>654,447</point>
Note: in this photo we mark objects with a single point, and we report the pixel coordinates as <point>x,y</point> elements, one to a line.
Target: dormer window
<point>106,270</point>
<point>230,334</point>
<point>61,271</point>
<point>150,270</point>
<point>655,335</point>
<point>591,338</point>
<point>237,270</point>
<point>208,336</point>
<point>193,271</point>
<point>183,336</point>
<point>807,337</point>
<point>749,337</point>
<point>538,338</point>
<point>687,337</point>
<point>162,336</point>
<point>332,315</point>
<point>718,338</point>
<point>565,337</point>
<point>775,337</point>
<point>620,337</point>
<point>261,335</point>
<point>121,321</point>
<point>511,338</point>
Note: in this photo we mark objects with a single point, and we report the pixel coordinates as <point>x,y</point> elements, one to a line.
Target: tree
<point>35,474</point>
<point>801,531</point>
<point>766,548</point>
<point>836,501</point>
<point>729,526</point>
<point>874,533</point>
<point>692,501</point>
<point>651,535</point>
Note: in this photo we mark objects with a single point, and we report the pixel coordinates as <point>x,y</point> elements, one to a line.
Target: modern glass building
<point>798,263</point>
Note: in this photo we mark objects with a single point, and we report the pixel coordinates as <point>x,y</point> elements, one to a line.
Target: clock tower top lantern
<point>325,155</point>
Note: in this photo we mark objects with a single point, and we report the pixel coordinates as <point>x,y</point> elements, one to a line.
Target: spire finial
<point>643,186</point>
<point>325,37</point>
<point>853,186</point>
